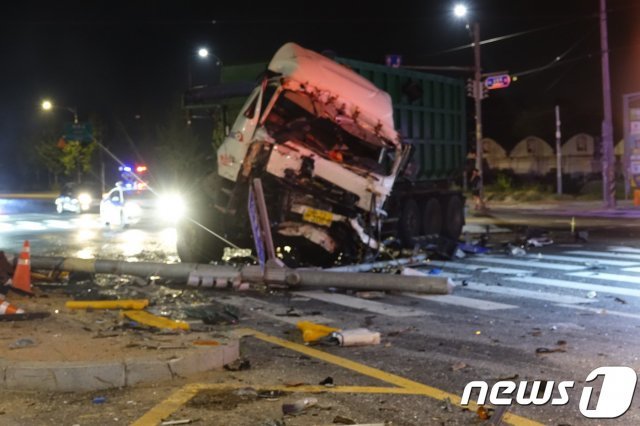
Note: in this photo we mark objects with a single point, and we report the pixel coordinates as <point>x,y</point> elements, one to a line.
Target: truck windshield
<point>297,117</point>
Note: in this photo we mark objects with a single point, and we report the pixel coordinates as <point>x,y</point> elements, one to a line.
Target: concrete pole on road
<point>608,162</point>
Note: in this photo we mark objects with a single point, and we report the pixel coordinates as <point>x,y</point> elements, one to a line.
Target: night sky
<point>128,63</point>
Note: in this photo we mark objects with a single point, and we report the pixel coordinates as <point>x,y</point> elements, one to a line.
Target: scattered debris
<point>594,266</point>
<point>294,384</point>
<point>298,406</point>
<point>341,420</point>
<point>23,343</point>
<point>370,294</point>
<point>271,395</point>
<point>540,351</point>
<point>328,382</point>
<point>176,422</point>
<point>591,294</point>
<point>239,364</point>
<point>458,366</point>
<point>484,413</point>
<point>155,321</point>
<point>355,337</point>
<point>473,248</point>
<point>107,304</point>
<point>99,400</point>
<point>515,250</point>
<point>539,242</point>
<point>582,236</point>
<point>619,300</point>
<point>312,332</point>
<point>435,271</point>
<point>212,315</point>
<point>248,392</point>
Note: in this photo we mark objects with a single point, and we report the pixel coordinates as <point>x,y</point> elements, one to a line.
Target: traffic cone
<point>7,308</point>
<point>21,280</point>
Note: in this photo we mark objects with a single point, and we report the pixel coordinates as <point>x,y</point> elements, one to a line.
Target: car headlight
<point>84,198</point>
<point>132,209</point>
<point>171,207</point>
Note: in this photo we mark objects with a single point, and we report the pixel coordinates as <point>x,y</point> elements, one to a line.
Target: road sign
<point>82,132</point>
<point>497,81</point>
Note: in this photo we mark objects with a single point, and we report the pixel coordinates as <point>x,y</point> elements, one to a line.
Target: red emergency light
<point>141,169</point>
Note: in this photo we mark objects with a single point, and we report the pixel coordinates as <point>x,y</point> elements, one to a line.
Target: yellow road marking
<point>416,387</point>
<point>405,386</point>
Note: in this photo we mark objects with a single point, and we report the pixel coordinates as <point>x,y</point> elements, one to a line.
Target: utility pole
<point>558,153</point>
<point>608,171</point>
<point>477,83</point>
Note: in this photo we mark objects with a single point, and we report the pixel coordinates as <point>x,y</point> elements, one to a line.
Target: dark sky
<point>125,59</point>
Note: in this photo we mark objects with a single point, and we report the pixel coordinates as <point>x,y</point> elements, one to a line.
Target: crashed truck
<point>352,157</point>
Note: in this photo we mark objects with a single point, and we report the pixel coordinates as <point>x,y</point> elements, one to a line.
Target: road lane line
<point>577,286</point>
<point>465,302</point>
<point>160,412</point>
<point>634,269</point>
<point>529,263</point>
<point>584,260</point>
<point>606,276</point>
<point>393,379</point>
<point>265,309</point>
<point>601,311</point>
<point>529,294</point>
<point>365,305</point>
<point>605,254</point>
<point>481,268</point>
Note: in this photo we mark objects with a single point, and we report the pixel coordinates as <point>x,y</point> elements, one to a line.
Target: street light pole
<point>477,84</point>
<point>608,172</point>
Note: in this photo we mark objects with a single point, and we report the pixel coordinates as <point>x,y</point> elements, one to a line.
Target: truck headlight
<point>171,207</point>
<point>85,200</point>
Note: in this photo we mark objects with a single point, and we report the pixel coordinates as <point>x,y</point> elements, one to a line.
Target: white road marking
<point>600,311</point>
<point>624,249</point>
<point>365,305</point>
<point>529,294</point>
<point>605,254</point>
<point>529,263</point>
<point>482,268</point>
<point>635,269</point>
<point>580,259</point>
<point>606,276</point>
<point>466,302</point>
<point>266,309</point>
<point>577,286</point>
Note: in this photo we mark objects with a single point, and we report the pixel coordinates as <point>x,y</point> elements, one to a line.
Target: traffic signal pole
<point>608,162</point>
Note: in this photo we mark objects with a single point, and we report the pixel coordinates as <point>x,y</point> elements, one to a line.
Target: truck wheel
<point>409,226</point>
<point>195,245</point>
<point>432,217</point>
<point>454,217</point>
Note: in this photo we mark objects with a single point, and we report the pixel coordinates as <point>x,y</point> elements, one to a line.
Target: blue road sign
<point>497,81</point>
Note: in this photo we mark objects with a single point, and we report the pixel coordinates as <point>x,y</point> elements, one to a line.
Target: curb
<point>89,376</point>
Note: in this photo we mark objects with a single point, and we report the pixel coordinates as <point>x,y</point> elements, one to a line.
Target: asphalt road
<point>553,313</point>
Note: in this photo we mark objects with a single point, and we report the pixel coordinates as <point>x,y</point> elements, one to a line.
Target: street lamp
<point>460,11</point>
<point>47,105</point>
<point>202,54</point>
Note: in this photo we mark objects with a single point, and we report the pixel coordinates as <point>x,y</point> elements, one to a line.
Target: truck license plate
<point>319,217</point>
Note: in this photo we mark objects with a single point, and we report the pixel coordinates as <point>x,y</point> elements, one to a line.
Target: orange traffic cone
<point>7,308</point>
<point>21,280</point>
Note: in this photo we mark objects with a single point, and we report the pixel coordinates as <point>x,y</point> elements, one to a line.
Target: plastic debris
<point>355,337</point>
<point>458,366</point>
<point>540,351</point>
<point>592,295</point>
<point>176,422</point>
<point>151,320</point>
<point>516,251</point>
<point>328,382</point>
<point>298,406</point>
<point>239,364</point>
<point>617,299</point>
<point>312,332</point>
<point>22,343</point>
<point>472,248</point>
<point>99,400</point>
<point>539,242</point>
<point>107,304</point>
<point>341,420</point>
<point>212,315</point>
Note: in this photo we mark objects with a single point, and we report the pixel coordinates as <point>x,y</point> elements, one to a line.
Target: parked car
<point>78,198</point>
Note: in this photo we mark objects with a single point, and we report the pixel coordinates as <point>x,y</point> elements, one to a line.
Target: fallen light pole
<point>215,276</point>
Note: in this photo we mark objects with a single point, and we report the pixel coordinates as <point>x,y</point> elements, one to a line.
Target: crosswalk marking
<point>605,254</point>
<point>585,260</point>
<point>601,311</point>
<point>529,263</point>
<point>466,302</point>
<point>529,294</point>
<point>577,286</point>
<point>365,305</point>
<point>606,276</point>
<point>635,269</point>
<point>483,268</point>
<point>624,249</point>
<point>265,309</point>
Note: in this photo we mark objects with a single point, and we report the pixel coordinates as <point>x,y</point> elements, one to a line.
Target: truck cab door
<point>234,148</point>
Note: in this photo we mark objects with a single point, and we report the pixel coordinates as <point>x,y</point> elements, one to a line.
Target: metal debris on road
<point>239,364</point>
<point>355,337</point>
<point>298,406</point>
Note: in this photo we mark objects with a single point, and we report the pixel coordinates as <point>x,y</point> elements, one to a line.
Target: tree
<point>76,156</point>
<point>181,155</point>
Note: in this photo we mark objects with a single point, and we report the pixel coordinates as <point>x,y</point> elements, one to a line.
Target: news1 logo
<point>616,393</point>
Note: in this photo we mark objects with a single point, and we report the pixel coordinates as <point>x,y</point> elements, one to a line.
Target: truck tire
<point>195,245</point>
<point>431,217</point>
<point>454,217</point>
<point>409,226</point>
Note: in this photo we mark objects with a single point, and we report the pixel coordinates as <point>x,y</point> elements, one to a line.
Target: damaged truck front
<point>322,139</point>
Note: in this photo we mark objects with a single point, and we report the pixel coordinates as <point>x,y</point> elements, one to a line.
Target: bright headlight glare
<point>171,207</point>
<point>84,198</point>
